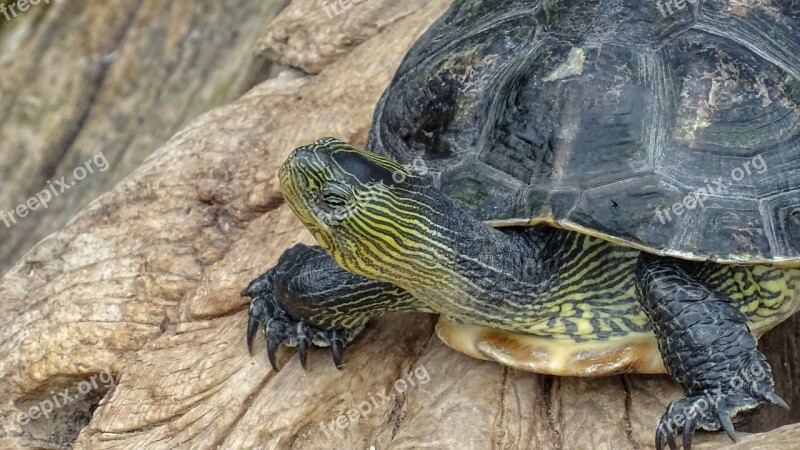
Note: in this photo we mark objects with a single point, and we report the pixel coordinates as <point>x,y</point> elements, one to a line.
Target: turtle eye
<point>333,196</point>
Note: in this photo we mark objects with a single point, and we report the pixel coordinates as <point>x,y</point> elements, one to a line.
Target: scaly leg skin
<point>308,299</point>
<point>706,345</point>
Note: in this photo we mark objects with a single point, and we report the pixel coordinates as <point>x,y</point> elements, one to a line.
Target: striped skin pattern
<point>390,231</point>
<point>314,288</point>
<point>593,295</point>
<point>536,280</point>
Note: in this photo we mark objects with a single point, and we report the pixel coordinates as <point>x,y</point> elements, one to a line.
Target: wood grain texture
<point>144,283</point>
<point>115,77</point>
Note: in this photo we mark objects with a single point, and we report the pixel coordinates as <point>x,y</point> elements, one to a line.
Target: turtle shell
<point>676,131</point>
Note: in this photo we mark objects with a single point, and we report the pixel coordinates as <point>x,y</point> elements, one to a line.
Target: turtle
<point>579,188</point>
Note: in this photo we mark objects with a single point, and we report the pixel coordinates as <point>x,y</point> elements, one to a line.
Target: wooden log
<point>143,286</point>
<point>116,78</point>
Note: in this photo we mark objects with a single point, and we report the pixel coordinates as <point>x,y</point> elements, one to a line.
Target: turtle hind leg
<point>706,345</point>
<point>308,299</point>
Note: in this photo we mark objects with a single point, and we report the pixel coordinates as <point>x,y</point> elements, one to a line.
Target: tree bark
<point>143,284</point>
<point>116,78</point>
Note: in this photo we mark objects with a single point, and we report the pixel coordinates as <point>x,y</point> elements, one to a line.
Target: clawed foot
<point>717,409</point>
<point>281,328</point>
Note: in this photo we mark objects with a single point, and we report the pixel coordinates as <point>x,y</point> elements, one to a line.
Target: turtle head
<point>361,207</point>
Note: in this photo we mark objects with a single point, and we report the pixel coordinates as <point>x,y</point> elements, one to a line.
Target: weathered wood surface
<point>118,77</point>
<point>144,284</point>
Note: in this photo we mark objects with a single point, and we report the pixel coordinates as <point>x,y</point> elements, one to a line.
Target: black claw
<point>302,350</point>
<point>727,425</point>
<point>337,350</point>
<point>688,432</point>
<point>252,329</point>
<point>671,442</point>
<point>665,431</point>
<point>659,440</point>
<point>281,329</point>
<point>272,347</point>
<point>775,400</point>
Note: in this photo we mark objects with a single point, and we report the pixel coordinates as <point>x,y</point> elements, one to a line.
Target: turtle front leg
<point>706,345</point>
<point>307,298</point>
